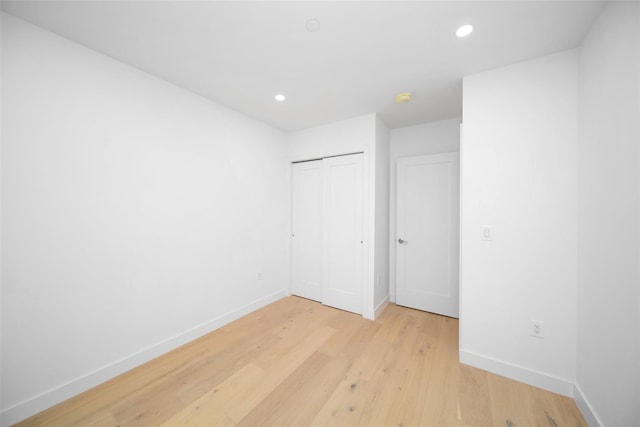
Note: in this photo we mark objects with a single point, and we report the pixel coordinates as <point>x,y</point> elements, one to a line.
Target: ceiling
<point>240,54</point>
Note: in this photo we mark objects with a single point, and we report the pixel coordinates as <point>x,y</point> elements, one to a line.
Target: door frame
<point>368,260</point>
<point>394,229</point>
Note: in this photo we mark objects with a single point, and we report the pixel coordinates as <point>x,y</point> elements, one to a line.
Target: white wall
<point>519,175</point>
<point>381,273</point>
<point>608,352</point>
<point>429,138</point>
<point>345,137</point>
<point>135,217</point>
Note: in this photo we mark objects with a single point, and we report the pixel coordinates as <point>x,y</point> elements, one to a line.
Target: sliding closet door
<point>306,270</point>
<point>342,223</point>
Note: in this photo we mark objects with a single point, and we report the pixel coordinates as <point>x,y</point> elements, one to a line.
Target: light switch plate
<point>485,233</point>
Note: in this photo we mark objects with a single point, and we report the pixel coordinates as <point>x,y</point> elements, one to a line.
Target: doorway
<point>328,231</point>
<point>427,233</point>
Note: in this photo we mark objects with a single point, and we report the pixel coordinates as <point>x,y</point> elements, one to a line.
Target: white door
<point>342,224</point>
<point>428,233</point>
<point>306,233</point>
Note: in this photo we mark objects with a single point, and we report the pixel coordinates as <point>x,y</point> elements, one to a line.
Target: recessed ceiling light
<point>280,97</point>
<point>464,31</point>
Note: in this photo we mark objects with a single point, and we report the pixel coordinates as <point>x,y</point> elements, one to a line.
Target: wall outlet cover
<point>537,329</point>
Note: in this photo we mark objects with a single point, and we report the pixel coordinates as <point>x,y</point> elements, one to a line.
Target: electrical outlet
<point>537,328</point>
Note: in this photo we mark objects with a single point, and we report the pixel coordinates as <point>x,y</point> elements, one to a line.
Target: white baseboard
<point>369,314</point>
<point>63,392</point>
<point>372,314</point>
<point>383,304</point>
<point>585,408</point>
<point>518,373</point>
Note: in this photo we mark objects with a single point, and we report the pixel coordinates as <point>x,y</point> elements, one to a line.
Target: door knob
<point>402,241</point>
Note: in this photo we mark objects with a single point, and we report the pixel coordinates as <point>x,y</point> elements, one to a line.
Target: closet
<point>328,231</point>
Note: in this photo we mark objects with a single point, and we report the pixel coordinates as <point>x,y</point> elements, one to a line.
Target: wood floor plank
<point>475,405</point>
<point>101,419</point>
<point>174,392</point>
<point>408,406</point>
<point>239,394</point>
<point>510,405</point>
<point>213,408</point>
<point>442,399</point>
<point>299,363</point>
<point>397,404</point>
<point>357,395</point>
<point>307,387</point>
<point>355,334</point>
<point>210,371</point>
<point>552,410</point>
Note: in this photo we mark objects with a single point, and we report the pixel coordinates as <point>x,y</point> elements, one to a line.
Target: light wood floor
<point>299,363</point>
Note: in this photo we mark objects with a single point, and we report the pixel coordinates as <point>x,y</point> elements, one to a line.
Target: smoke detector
<point>312,25</point>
